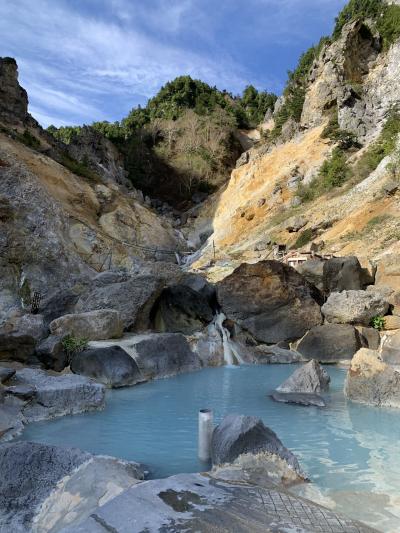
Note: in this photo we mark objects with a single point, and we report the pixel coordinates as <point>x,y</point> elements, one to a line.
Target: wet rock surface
<point>299,398</point>
<point>111,366</point>
<point>310,378</point>
<point>270,300</point>
<point>165,354</point>
<point>45,488</point>
<point>198,502</point>
<point>41,396</point>
<point>240,435</point>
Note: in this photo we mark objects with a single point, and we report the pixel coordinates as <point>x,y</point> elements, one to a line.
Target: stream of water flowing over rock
<point>231,350</point>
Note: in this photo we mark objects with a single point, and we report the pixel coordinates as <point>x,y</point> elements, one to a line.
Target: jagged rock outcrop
<point>354,307</point>
<point>46,488</point>
<point>13,98</point>
<point>270,300</point>
<point>310,378</point>
<point>371,381</point>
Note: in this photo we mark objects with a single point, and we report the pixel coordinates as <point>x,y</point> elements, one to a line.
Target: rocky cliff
<point>331,178</point>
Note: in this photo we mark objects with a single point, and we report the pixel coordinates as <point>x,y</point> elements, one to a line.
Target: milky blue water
<point>351,452</point>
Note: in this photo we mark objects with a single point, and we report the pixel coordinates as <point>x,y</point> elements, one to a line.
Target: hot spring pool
<point>350,452</point>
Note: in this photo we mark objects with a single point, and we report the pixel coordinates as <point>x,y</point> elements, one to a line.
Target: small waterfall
<point>231,352</point>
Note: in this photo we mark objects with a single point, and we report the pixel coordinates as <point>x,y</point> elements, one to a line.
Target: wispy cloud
<point>95,59</point>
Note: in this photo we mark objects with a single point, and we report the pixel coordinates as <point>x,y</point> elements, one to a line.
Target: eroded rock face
<point>19,335</point>
<point>92,325</point>
<point>181,309</point>
<point>111,366</point>
<point>165,354</point>
<point>133,299</point>
<point>372,381</point>
<point>239,435</point>
<point>51,353</point>
<point>13,98</point>
<point>354,307</point>
<point>342,274</point>
<point>330,343</point>
<point>45,488</point>
<point>310,378</point>
<point>270,300</point>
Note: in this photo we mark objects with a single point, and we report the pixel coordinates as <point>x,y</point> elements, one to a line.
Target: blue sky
<point>86,60</point>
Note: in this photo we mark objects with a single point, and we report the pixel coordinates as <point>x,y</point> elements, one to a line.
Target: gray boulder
<point>165,354</point>
<point>391,349</point>
<point>111,366</point>
<point>313,271</point>
<point>237,435</point>
<point>92,325</point>
<point>19,335</point>
<point>274,354</point>
<point>354,307</point>
<point>270,300</point>
<point>133,299</point>
<point>11,422</point>
<point>330,343</point>
<point>309,378</point>
<point>299,398</point>
<point>372,381</point>
<point>45,488</point>
<point>343,274</point>
<point>51,353</point>
<point>181,309</point>
<point>53,396</point>
<point>370,337</point>
<point>6,374</point>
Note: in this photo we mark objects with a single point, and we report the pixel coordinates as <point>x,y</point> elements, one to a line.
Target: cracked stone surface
<point>197,502</point>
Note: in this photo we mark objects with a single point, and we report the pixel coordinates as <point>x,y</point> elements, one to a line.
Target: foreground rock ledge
<point>201,503</point>
<point>45,488</point>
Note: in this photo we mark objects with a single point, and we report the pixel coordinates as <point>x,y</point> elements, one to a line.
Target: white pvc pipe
<point>206,428</point>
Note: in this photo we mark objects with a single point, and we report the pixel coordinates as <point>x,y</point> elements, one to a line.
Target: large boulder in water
<point>92,325</point>
<point>354,307</point>
<point>270,300</point>
<point>111,366</point>
<point>165,354</point>
<point>309,378</point>
<point>330,343</point>
<point>237,437</point>
<point>46,488</point>
<point>371,381</point>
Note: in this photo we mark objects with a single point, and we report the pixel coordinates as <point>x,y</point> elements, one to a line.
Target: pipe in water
<point>206,428</point>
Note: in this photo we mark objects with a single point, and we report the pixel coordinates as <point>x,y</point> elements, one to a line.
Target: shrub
<point>29,140</point>
<point>383,146</point>
<point>378,322</point>
<point>344,138</point>
<point>79,168</point>
<point>73,345</point>
<point>304,238</point>
<point>386,17</point>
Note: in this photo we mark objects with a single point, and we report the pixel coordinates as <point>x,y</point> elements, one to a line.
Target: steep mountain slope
<point>330,178</point>
<point>58,227</point>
